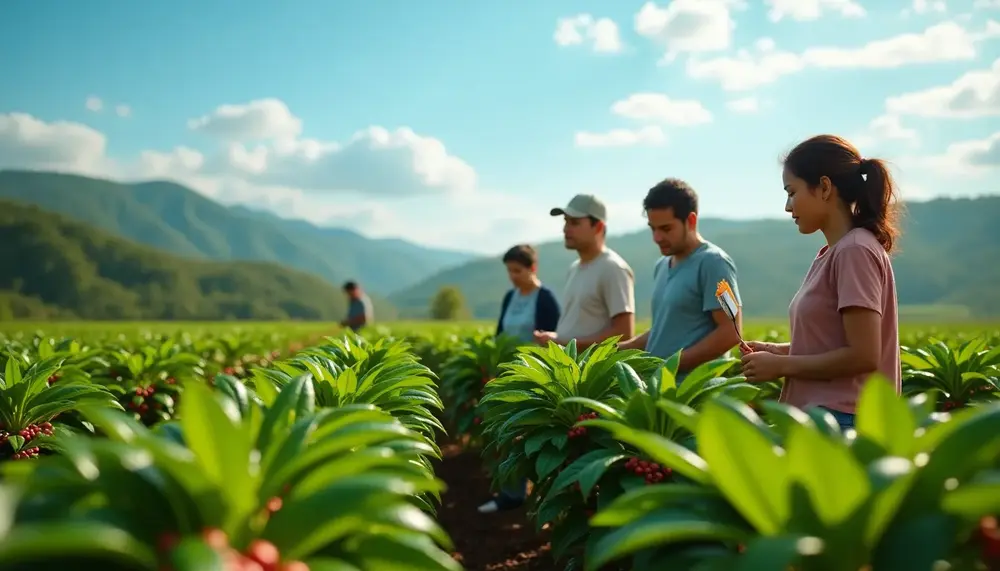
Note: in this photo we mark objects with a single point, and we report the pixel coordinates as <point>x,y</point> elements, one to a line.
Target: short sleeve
<point>860,278</point>
<point>713,270</point>
<point>618,287</point>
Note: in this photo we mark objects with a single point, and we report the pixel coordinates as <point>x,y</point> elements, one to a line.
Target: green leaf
<point>746,466</point>
<point>303,525</point>
<point>659,529</point>
<point>975,499</point>
<point>592,473</point>
<point>222,447</point>
<point>640,501</point>
<point>38,543</point>
<point>548,460</point>
<point>777,552</point>
<point>885,418</point>
<point>12,373</point>
<point>193,554</point>
<point>837,484</point>
<point>660,449</point>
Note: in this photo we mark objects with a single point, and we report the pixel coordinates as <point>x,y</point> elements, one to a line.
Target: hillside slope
<point>948,256</point>
<point>52,266</point>
<point>180,221</point>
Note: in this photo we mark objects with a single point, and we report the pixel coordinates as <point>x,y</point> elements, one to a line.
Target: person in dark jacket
<point>527,307</point>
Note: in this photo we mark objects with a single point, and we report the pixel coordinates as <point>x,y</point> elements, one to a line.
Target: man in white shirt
<point>599,295</point>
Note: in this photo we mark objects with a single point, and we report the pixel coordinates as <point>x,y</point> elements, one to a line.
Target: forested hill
<point>180,221</point>
<point>52,266</point>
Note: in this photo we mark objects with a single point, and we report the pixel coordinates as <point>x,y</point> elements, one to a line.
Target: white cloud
<point>886,128</point>
<point>688,26</point>
<point>889,127</point>
<point>942,42</point>
<point>968,158</point>
<point>803,10</point>
<point>659,108</point>
<point>601,33</point>
<point>94,104</point>
<point>261,119</point>
<point>926,7</point>
<point>974,94</point>
<point>986,4</point>
<point>27,142</point>
<point>651,135</point>
<point>749,69</point>
<point>652,109</point>
<point>158,164</point>
<point>263,146</point>
<point>375,162</point>
<point>743,105</point>
<point>123,111</point>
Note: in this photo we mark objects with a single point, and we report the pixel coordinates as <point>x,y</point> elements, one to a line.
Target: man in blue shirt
<point>686,313</point>
<point>359,307</point>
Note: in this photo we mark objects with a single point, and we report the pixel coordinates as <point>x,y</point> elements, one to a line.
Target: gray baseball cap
<point>582,206</point>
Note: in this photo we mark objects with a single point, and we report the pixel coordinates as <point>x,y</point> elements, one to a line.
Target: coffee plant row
<point>632,471</point>
<point>218,454</point>
<point>285,451</point>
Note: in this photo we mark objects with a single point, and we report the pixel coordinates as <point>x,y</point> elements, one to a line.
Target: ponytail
<point>875,206</point>
<point>864,185</point>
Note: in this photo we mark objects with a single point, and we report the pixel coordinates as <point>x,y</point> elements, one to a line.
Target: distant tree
<point>449,305</point>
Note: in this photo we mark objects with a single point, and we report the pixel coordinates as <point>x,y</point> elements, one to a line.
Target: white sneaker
<point>489,507</point>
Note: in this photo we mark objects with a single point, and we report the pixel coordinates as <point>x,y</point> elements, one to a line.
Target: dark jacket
<point>546,310</point>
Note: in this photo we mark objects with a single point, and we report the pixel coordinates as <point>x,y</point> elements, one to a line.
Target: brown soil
<point>501,541</point>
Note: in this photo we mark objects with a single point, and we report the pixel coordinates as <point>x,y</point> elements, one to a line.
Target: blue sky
<point>460,123</point>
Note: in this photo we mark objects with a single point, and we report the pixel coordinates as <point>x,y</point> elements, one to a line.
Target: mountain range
<point>181,221</point>
<point>947,258</point>
<point>946,262</point>
<point>55,267</point>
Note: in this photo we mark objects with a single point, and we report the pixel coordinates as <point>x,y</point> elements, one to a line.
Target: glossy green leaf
<point>752,472</point>
<point>884,418</point>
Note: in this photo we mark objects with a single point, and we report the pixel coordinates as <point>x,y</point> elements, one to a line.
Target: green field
<point>753,329</point>
<point>298,446</point>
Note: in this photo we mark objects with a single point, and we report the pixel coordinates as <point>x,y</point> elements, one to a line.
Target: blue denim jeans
<point>514,495</point>
<point>844,419</point>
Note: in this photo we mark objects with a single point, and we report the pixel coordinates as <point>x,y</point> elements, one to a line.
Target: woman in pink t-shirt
<point>843,319</point>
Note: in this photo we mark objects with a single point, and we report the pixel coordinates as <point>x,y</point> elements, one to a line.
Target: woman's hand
<point>761,366</point>
<point>762,346</point>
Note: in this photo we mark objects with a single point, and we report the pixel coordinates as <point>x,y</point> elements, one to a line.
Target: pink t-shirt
<point>855,272</point>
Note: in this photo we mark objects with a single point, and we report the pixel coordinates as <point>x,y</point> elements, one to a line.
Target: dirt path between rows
<point>504,541</point>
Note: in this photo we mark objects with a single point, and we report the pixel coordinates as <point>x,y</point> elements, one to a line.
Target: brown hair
<point>672,193</point>
<point>522,254</point>
<point>865,185</point>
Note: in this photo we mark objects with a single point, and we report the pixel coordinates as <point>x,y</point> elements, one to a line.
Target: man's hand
<point>543,337</point>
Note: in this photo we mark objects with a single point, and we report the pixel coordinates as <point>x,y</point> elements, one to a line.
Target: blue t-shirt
<point>360,306</point>
<point>684,298</point>
<point>519,319</point>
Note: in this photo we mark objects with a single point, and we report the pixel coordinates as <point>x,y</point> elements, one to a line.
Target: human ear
<point>825,188</point>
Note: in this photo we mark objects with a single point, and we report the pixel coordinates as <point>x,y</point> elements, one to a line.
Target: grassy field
<point>753,329</point>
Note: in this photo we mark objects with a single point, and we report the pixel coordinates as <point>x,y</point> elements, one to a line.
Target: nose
<point>788,204</point>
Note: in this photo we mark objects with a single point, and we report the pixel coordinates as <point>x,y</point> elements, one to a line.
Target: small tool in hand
<point>727,300</point>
